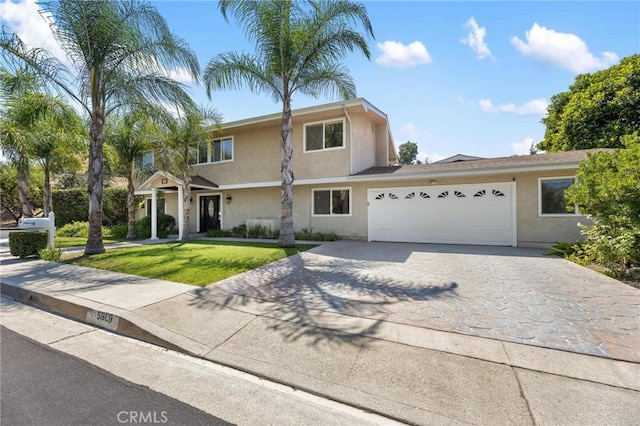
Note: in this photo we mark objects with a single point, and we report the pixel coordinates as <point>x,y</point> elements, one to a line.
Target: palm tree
<point>130,136</point>
<point>120,53</point>
<point>299,46</point>
<point>22,107</point>
<point>175,151</point>
<point>57,139</point>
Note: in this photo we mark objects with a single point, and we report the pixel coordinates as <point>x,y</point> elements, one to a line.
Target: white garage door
<point>448,214</point>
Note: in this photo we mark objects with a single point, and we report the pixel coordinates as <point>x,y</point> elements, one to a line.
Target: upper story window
<point>324,135</point>
<point>216,151</point>
<point>551,201</point>
<point>144,161</point>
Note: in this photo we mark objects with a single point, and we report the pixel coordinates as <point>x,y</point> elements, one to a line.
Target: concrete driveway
<point>510,294</point>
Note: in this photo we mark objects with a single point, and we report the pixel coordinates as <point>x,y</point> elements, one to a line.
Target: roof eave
<point>467,172</point>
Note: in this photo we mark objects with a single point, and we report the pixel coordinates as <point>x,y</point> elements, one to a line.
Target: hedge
<point>27,243</point>
<point>72,205</point>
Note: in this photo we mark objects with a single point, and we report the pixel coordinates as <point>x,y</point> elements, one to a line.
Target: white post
<point>180,211</point>
<point>154,214</point>
<point>52,229</point>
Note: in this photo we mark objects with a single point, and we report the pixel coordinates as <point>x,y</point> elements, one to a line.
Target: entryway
<point>209,212</point>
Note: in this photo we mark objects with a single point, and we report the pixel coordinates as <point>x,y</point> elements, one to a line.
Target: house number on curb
<point>103,319</point>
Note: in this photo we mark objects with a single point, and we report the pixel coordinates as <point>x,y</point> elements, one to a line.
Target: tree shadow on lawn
<point>304,296</point>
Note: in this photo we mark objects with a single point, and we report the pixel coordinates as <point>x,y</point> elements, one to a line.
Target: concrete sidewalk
<point>412,374</point>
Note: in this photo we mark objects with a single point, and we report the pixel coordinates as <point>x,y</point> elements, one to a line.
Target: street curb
<point>127,327</point>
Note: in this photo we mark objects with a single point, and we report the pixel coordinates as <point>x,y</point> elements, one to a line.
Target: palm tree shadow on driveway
<point>303,293</point>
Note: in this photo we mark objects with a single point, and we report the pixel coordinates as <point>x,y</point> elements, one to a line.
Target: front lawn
<point>196,262</point>
<point>63,242</point>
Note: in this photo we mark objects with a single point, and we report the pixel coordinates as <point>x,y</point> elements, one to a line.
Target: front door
<point>209,213</point>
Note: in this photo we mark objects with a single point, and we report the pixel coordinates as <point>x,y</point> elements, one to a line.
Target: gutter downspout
<point>344,108</point>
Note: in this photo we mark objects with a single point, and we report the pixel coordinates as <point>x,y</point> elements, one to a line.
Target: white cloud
<point>181,75</point>
<point>396,54</point>
<point>532,107</point>
<point>25,19</point>
<point>475,39</point>
<point>522,147</point>
<point>564,50</point>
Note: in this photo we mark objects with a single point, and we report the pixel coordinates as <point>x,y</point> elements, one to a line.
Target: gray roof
<point>569,158</point>
<point>199,181</point>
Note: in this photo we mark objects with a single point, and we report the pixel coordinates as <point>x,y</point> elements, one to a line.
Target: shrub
<point>50,253</point>
<point>119,231</point>
<point>261,231</point>
<point>307,234</point>
<point>166,226</point>
<point>74,229</point>
<point>239,231</point>
<point>72,205</point>
<point>613,242</point>
<point>218,233</point>
<point>78,229</point>
<point>27,243</point>
<point>573,252</point>
<point>114,206</point>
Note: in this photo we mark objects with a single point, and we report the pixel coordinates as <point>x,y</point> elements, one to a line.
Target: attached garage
<point>481,214</point>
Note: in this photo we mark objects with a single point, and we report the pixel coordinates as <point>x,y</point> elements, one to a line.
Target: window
<point>145,161</point>
<point>321,136</point>
<point>331,202</point>
<point>222,150</point>
<point>159,204</point>
<point>217,151</point>
<point>552,200</point>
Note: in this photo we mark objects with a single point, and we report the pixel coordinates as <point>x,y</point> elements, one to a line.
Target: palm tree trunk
<point>23,188</point>
<point>48,201</point>
<point>131,204</point>
<point>95,185</point>
<point>287,238</point>
<point>186,201</point>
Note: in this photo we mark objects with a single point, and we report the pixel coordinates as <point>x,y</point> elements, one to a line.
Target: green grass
<point>62,242</point>
<point>197,262</point>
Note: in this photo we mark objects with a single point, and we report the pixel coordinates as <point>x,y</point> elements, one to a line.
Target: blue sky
<point>454,77</point>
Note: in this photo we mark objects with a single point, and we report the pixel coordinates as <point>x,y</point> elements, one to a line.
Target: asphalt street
<point>42,386</point>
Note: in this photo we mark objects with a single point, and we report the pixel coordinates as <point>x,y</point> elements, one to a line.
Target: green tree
<point>597,110</point>
<point>130,135</point>
<point>176,149</point>
<point>10,199</point>
<point>22,107</point>
<point>57,139</point>
<point>608,189</point>
<point>121,51</point>
<point>299,47</point>
<point>407,153</point>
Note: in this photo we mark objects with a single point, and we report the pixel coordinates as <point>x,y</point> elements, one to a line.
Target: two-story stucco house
<point>346,182</point>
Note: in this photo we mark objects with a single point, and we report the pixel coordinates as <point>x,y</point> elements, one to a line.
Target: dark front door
<point>209,213</point>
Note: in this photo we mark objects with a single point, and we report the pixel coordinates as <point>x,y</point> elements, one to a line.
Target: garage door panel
<point>455,214</point>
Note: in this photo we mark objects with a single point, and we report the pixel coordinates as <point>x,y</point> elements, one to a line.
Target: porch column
<point>154,214</point>
<point>180,211</point>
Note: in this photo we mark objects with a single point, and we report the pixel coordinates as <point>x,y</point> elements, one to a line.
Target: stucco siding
<point>363,138</point>
<point>260,203</point>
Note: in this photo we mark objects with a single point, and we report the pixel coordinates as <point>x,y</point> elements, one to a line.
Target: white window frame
<point>346,188</point>
<point>210,151</point>
<point>576,211</point>
<point>324,123</point>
